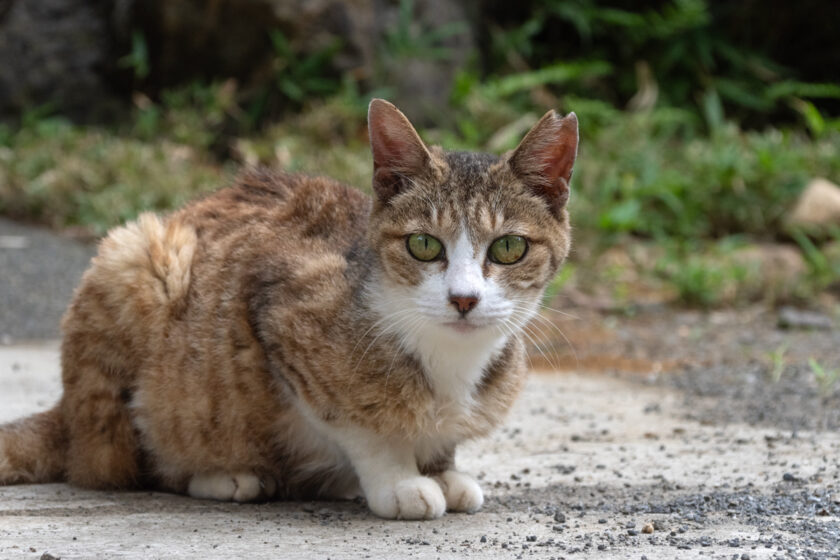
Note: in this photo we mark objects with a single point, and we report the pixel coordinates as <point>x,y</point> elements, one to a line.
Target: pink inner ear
<point>548,151</point>
<point>392,149</point>
<point>545,157</point>
<point>558,159</point>
<point>394,142</point>
<point>398,152</point>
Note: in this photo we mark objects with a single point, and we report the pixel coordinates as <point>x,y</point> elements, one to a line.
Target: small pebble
<point>483,538</point>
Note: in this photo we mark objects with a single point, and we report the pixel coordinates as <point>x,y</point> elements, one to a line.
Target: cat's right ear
<point>398,151</point>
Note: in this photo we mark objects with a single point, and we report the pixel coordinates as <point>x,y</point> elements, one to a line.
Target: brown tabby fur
<point>192,336</point>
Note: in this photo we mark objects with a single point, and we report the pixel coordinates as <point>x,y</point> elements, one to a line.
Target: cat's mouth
<point>463,326</point>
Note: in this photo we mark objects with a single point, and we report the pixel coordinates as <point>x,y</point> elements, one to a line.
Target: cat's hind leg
<point>122,310</point>
<point>102,445</point>
<point>238,487</point>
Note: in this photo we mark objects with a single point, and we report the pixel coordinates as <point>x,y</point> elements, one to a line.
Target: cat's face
<point>467,242</point>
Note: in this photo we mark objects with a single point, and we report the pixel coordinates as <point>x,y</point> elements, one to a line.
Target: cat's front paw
<point>462,492</point>
<point>417,497</point>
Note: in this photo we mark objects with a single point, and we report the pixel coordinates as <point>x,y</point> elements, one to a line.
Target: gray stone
<point>791,318</point>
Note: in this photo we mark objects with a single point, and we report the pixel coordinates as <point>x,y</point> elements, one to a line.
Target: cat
<point>289,336</point>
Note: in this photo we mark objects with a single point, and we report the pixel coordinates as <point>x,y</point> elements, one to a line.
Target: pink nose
<point>463,304</point>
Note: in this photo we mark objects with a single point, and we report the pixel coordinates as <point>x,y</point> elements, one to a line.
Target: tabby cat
<point>290,337</point>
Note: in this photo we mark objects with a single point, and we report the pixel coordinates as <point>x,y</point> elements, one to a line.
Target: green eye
<point>508,249</point>
<point>424,247</point>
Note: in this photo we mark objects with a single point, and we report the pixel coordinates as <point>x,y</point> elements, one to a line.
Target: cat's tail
<point>33,449</point>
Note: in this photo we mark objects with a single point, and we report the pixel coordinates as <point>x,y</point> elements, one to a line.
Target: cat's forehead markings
<point>433,212</point>
<point>469,170</point>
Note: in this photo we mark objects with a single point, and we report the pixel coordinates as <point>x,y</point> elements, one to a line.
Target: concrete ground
<point>714,463</point>
<point>38,273</point>
<point>584,467</point>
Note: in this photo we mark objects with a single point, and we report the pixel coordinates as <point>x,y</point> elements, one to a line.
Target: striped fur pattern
<point>277,338</point>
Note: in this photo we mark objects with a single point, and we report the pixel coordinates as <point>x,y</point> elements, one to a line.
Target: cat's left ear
<point>398,151</point>
<point>544,158</point>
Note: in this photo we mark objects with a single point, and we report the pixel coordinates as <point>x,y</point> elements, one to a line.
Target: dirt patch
<point>731,366</point>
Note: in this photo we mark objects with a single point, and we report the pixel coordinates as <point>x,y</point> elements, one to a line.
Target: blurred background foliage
<point>702,121</point>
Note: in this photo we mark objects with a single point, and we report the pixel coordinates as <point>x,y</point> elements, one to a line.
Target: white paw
<point>461,490</point>
<point>240,487</point>
<point>417,497</point>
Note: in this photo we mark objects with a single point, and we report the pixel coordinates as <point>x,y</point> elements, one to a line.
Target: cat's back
<point>214,259</point>
<point>289,237</point>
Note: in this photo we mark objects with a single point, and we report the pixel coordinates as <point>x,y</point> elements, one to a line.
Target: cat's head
<point>467,242</point>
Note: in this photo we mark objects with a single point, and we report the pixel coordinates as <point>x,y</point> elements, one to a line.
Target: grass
<point>826,378</point>
<point>778,362</point>
<point>698,199</point>
<point>64,175</point>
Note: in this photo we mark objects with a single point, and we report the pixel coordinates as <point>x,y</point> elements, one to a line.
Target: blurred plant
<point>778,362</point>
<point>675,52</point>
<point>69,175</point>
<point>732,182</point>
<point>824,269</point>
<point>698,281</point>
<point>709,274</point>
<point>202,116</point>
<point>557,283</point>
<point>826,378</point>
<point>300,76</point>
<point>137,59</point>
<point>408,38</point>
<point>297,77</point>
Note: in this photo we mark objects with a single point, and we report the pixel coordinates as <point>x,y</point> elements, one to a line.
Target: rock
<point>818,207</point>
<point>422,81</point>
<point>790,318</point>
<point>56,52</point>
<point>780,267</point>
<point>231,38</point>
<point>70,52</point>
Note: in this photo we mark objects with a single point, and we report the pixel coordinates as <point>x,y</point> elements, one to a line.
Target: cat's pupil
<point>424,247</point>
<point>508,249</point>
